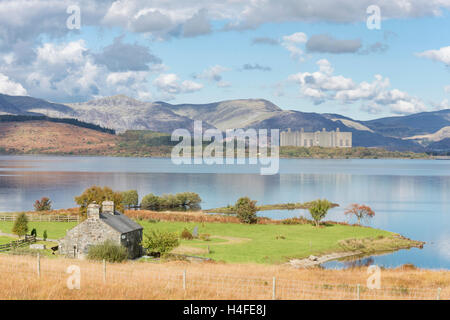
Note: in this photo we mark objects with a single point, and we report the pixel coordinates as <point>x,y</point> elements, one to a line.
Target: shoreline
<point>168,156</point>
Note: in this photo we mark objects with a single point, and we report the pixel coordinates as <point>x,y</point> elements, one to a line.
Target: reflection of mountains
<point>311,186</point>
<point>62,187</point>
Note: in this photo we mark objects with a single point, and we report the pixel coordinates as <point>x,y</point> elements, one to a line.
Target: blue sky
<point>197,54</point>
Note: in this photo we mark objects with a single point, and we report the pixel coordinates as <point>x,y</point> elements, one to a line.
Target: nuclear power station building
<point>330,139</point>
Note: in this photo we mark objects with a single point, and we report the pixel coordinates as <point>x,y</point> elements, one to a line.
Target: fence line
<point>42,217</point>
<point>18,243</point>
<point>193,284</point>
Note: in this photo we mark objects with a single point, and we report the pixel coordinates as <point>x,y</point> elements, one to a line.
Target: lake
<point>410,197</point>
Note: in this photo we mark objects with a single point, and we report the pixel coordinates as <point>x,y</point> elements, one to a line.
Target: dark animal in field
<point>54,249</point>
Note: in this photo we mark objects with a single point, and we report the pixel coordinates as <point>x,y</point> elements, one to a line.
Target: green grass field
<point>4,240</point>
<point>258,243</point>
<point>55,230</point>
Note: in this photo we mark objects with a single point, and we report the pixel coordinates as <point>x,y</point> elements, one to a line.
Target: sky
<point>362,59</point>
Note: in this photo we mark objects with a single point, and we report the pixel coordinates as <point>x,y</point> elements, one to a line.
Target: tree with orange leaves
<point>360,211</point>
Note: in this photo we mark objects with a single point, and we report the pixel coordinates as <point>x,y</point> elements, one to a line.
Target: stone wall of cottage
<point>90,232</point>
<point>132,241</point>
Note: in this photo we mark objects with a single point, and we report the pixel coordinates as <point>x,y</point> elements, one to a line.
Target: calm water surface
<point>410,197</point>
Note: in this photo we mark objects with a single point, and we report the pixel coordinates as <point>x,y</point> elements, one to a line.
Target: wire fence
<point>144,280</point>
<point>42,217</point>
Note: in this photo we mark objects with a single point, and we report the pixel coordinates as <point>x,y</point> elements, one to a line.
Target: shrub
<point>170,201</point>
<point>44,235</point>
<point>33,232</point>
<point>246,210</point>
<point>205,237</point>
<point>189,200</point>
<point>43,205</point>
<point>179,201</point>
<point>151,202</point>
<point>20,227</point>
<point>160,242</point>
<point>292,221</point>
<point>319,209</point>
<point>98,195</point>
<point>186,235</point>
<point>109,251</point>
<point>130,198</point>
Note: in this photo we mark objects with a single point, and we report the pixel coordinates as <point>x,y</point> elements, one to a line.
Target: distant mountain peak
<point>117,100</point>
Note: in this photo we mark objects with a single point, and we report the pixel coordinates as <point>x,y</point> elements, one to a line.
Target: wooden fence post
<point>358,291</point>
<point>438,294</point>
<point>104,271</point>
<point>274,288</point>
<point>39,265</point>
<point>184,279</point>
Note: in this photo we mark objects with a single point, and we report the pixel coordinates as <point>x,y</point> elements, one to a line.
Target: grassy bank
<point>348,153</point>
<point>278,206</point>
<point>276,243</point>
<point>259,243</point>
<point>87,139</point>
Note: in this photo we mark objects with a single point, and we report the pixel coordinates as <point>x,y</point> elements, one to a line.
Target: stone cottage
<point>108,224</point>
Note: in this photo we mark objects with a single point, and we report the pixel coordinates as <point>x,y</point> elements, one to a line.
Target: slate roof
<point>119,222</point>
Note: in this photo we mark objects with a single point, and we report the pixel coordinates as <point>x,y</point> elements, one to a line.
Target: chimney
<point>93,211</point>
<point>108,207</point>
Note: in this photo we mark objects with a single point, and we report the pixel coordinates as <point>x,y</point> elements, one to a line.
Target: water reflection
<point>410,197</point>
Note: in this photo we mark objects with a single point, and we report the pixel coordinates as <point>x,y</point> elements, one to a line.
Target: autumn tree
<point>319,209</point>
<point>44,204</point>
<point>20,227</point>
<point>361,212</point>
<point>99,194</point>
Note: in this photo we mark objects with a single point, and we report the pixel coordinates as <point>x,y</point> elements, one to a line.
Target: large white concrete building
<point>330,139</point>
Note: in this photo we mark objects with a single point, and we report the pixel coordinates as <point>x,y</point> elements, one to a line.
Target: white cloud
<point>10,87</point>
<point>291,42</point>
<point>170,83</point>
<point>72,52</point>
<point>69,72</point>
<point>298,37</point>
<point>322,85</point>
<point>27,19</point>
<point>214,74</point>
<point>440,55</point>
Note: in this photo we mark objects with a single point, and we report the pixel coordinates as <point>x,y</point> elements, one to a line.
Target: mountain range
<point>426,131</point>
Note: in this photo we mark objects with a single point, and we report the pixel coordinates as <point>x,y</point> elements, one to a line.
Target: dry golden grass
<point>50,137</point>
<point>189,216</point>
<point>145,280</point>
